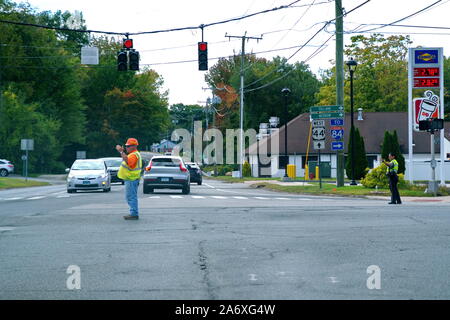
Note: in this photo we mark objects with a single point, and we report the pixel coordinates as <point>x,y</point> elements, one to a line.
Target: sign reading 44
<point>318,133</point>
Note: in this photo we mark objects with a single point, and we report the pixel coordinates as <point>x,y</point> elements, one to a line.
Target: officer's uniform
<point>392,171</point>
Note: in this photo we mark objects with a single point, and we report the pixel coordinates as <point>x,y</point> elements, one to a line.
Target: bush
<point>246,169</point>
<point>377,178</point>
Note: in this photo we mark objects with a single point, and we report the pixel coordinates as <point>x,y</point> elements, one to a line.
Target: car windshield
<point>113,163</point>
<point>165,162</point>
<point>86,165</point>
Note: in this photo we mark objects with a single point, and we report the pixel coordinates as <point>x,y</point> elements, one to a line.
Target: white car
<point>6,167</point>
<point>88,174</point>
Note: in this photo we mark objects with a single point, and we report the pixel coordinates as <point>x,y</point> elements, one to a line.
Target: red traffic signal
<point>203,56</point>
<point>128,43</point>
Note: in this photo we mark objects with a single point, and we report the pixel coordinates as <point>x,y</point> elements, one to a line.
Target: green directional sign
<point>327,115</point>
<point>326,109</point>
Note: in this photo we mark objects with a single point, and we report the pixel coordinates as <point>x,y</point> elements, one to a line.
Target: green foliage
<point>21,121</point>
<point>381,78</point>
<point>377,178</point>
<point>265,102</point>
<point>66,107</point>
<point>246,169</point>
<point>391,145</point>
<point>361,162</point>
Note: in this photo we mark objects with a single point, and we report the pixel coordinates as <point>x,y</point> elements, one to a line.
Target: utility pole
<point>241,156</point>
<point>339,84</point>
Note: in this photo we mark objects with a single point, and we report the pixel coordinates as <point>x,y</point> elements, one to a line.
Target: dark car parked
<point>113,165</point>
<point>195,171</point>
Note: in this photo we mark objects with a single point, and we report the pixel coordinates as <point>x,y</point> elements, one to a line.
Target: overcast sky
<point>281,29</point>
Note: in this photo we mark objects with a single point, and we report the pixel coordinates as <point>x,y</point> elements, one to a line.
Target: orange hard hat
<point>132,142</point>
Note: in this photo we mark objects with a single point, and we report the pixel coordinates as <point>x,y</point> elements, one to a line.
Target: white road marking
<point>176,197</point>
<point>261,198</point>
<point>333,279</point>
<point>282,198</point>
<point>198,197</point>
<point>63,196</point>
<point>219,197</point>
<point>253,277</point>
<point>6,228</point>
<point>16,198</point>
<point>154,197</point>
<point>209,185</point>
<point>37,198</point>
<point>241,198</point>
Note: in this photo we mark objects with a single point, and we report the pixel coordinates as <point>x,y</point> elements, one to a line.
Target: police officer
<point>392,173</point>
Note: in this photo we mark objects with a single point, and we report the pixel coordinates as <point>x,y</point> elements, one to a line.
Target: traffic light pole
<point>241,136</point>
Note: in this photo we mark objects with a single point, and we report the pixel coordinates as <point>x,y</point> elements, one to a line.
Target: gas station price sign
<point>426,83</point>
<point>426,72</point>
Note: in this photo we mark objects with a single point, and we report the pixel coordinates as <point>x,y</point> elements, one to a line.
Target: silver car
<point>88,174</point>
<point>166,172</point>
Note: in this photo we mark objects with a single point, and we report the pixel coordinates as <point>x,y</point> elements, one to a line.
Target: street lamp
<point>352,64</point>
<point>285,92</point>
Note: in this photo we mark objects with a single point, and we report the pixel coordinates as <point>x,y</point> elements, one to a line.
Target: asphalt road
<point>223,241</point>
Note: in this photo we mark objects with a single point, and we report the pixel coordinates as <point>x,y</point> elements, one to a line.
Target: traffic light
<point>431,124</point>
<point>122,60</point>
<point>128,44</point>
<point>134,60</point>
<point>203,56</point>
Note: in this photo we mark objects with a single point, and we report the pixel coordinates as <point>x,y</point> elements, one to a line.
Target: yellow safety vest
<point>394,167</point>
<point>126,173</point>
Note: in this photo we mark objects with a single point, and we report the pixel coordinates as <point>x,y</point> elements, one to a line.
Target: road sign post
<point>336,115</point>
<point>26,144</point>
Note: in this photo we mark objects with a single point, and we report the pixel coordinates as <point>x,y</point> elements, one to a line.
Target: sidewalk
<point>443,199</point>
<point>50,178</point>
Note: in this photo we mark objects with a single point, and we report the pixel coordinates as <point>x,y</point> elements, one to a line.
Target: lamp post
<point>352,64</point>
<point>285,92</point>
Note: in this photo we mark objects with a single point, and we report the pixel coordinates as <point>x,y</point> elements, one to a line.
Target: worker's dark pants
<point>393,186</point>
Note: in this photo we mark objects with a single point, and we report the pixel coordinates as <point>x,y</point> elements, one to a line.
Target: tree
<point>264,80</point>
<point>381,78</point>
<point>361,162</point>
<point>391,145</point>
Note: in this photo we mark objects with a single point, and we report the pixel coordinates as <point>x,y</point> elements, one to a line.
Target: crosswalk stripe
<point>261,198</point>
<point>16,198</point>
<point>154,197</point>
<point>241,198</point>
<point>176,197</point>
<point>198,197</point>
<point>63,196</point>
<point>282,198</point>
<point>219,197</point>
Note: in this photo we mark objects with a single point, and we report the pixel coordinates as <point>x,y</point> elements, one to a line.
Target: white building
<point>371,125</point>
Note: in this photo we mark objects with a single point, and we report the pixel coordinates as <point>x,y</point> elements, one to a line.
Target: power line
<point>326,23</point>
<point>202,26</point>
<point>404,18</point>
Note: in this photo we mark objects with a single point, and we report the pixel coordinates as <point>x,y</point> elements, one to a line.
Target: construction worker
<point>392,173</point>
<point>130,172</point>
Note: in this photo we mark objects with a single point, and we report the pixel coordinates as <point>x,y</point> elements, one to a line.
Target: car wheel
<point>186,189</point>
<point>3,173</point>
<point>199,183</point>
<point>147,190</point>
<point>123,182</point>
<point>71,191</point>
<point>107,190</point>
